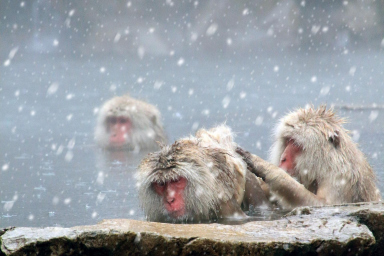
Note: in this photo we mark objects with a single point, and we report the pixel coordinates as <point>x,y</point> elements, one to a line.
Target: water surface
<point>52,173</point>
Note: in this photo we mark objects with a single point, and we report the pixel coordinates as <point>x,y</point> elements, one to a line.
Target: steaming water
<point>51,172</point>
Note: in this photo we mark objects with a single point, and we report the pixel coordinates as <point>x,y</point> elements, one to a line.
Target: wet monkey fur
<point>127,123</point>
<point>314,162</point>
<point>198,178</point>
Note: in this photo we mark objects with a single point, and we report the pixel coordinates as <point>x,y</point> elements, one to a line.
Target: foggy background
<point>202,63</point>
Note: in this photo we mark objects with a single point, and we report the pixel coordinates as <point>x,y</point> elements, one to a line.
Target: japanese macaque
<point>319,163</point>
<point>127,123</point>
<point>198,178</point>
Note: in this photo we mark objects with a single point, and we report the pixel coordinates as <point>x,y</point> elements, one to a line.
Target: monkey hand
<point>251,161</point>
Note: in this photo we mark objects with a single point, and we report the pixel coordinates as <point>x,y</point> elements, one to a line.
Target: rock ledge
<point>350,229</point>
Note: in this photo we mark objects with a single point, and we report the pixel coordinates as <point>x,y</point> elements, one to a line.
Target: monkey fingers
<point>252,162</point>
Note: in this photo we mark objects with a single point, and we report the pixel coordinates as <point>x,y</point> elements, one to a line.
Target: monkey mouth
<point>175,213</point>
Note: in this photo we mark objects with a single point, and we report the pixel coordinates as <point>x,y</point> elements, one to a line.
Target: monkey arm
<point>231,209</point>
<point>287,189</point>
<point>254,193</point>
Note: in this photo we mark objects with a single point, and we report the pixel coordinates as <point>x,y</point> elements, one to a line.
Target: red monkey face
<point>172,193</point>
<point>119,128</point>
<point>288,158</point>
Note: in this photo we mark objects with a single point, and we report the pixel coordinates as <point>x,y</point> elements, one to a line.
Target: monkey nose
<point>170,200</point>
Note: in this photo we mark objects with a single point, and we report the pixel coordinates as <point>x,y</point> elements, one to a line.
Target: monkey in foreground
<point>314,162</point>
<point>198,179</point>
<point>127,123</point>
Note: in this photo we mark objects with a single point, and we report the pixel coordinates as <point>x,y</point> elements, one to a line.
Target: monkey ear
<point>334,138</point>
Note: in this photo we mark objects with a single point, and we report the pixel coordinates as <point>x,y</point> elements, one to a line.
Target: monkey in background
<point>198,178</point>
<point>314,162</point>
<point>127,123</point>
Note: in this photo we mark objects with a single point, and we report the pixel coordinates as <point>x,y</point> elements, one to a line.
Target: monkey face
<point>288,157</point>
<point>125,123</point>
<point>172,194</point>
<point>119,129</point>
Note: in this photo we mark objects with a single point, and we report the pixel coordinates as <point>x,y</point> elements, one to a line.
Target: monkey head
<point>187,182</point>
<point>127,123</point>
<point>311,139</point>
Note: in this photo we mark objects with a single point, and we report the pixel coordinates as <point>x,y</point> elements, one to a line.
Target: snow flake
<point>158,84</point>
<point>55,200</point>
<point>352,71</point>
<point>212,29</point>
<point>180,62</point>
<point>141,52</point>
<point>230,84</point>
<point>374,114</point>
<point>325,90</point>
<point>68,157</point>
<point>52,89</point>
<point>276,68</point>
<point>259,120</point>
<point>117,38</point>
<point>71,13</point>
<point>7,63</point>
<point>226,101</point>
<point>5,167</point>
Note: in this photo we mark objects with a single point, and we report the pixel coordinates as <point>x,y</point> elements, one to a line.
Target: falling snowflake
<point>180,62</point>
<point>374,114</point>
<point>352,71</point>
<point>276,68</point>
<point>212,29</point>
<point>226,101</point>
<point>325,90</point>
<point>52,89</point>
<point>5,167</point>
<point>230,84</point>
<point>259,120</point>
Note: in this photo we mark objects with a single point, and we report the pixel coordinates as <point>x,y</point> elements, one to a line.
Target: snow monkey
<point>127,123</point>
<point>198,178</point>
<point>319,163</point>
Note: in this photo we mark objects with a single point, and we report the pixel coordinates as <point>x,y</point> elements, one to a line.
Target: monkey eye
<point>123,120</point>
<point>283,160</point>
<point>160,184</point>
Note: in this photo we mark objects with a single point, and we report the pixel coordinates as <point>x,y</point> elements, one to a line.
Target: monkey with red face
<point>197,179</point>
<point>314,162</point>
<point>127,123</point>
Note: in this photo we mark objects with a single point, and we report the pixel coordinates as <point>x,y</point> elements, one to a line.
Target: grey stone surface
<point>352,229</point>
